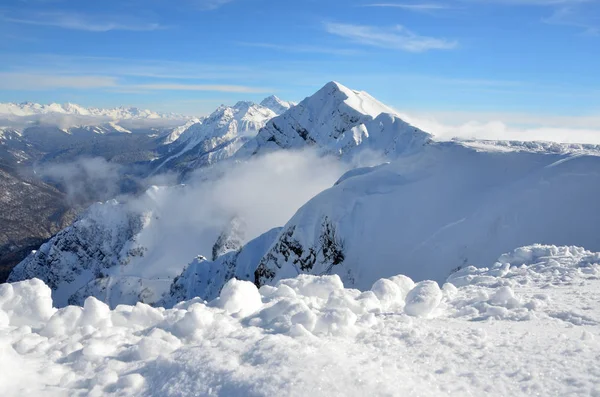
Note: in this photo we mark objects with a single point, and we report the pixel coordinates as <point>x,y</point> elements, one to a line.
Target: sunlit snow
<point>527,325</point>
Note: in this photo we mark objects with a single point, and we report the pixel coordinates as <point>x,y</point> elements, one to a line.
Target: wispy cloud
<point>78,21</point>
<point>570,16</point>
<point>396,38</point>
<point>301,48</point>
<point>35,81</point>
<point>208,4</point>
<point>412,7</point>
<point>532,2</point>
<point>582,14</point>
<point>46,81</point>
<point>203,87</point>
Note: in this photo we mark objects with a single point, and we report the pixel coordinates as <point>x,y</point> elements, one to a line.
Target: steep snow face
<point>277,105</point>
<point>121,113</point>
<point>527,324</point>
<point>227,122</point>
<point>339,121</point>
<point>215,138</point>
<point>176,132</point>
<point>445,207</point>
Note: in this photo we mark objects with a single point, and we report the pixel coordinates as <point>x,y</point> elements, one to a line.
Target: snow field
<point>527,325</point>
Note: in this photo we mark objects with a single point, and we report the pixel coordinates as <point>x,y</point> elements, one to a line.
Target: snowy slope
<point>527,325</point>
<point>444,207</point>
<point>8,134</point>
<point>338,121</point>
<point>176,132</point>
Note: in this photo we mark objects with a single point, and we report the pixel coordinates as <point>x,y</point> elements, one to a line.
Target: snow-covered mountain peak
<point>276,104</point>
<point>216,137</point>
<point>335,95</point>
<point>337,120</point>
<point>176,132</point>
<point>243,105</point>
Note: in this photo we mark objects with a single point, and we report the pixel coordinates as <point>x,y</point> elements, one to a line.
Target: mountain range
<point>27,109</point>
<point>48,146</point>
<point>419,207</point>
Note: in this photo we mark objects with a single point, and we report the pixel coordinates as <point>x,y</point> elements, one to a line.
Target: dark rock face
<point>328,251</point>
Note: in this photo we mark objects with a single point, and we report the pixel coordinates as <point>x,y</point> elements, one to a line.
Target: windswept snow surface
<point>444,207</point>
<point>527,325</point>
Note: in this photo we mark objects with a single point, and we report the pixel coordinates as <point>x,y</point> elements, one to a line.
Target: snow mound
<point>26,303</point>
<point>239,298</point>
<point>423,299</point>
<point>311,335</point>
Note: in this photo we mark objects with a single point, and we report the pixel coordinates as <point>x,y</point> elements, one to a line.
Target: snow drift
<point>526,325</point>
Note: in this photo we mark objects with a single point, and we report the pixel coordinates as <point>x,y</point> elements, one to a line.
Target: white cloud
<point>533,2</point>
<point>302,48</point>
<point>412,7</point>
<point>575,13</point>
<point>77,21</point>
<point>201,87</point>
<point>209,4</point>
<point>571,16</point>
<point>39,82</point>
<point>519,127</point>
<point>35,81</point>
<point>396,38</point>
<point>85,180</point>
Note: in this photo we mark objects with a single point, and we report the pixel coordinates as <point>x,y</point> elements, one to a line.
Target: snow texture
<point>527,325</point>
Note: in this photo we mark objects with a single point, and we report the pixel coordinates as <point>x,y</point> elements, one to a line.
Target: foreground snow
<point>526,326</point>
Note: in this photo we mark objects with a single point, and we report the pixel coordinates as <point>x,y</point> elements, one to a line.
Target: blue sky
<point>537,57</point>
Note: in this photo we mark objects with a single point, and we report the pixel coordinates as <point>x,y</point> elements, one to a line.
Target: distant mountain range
<point>26,109</point>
